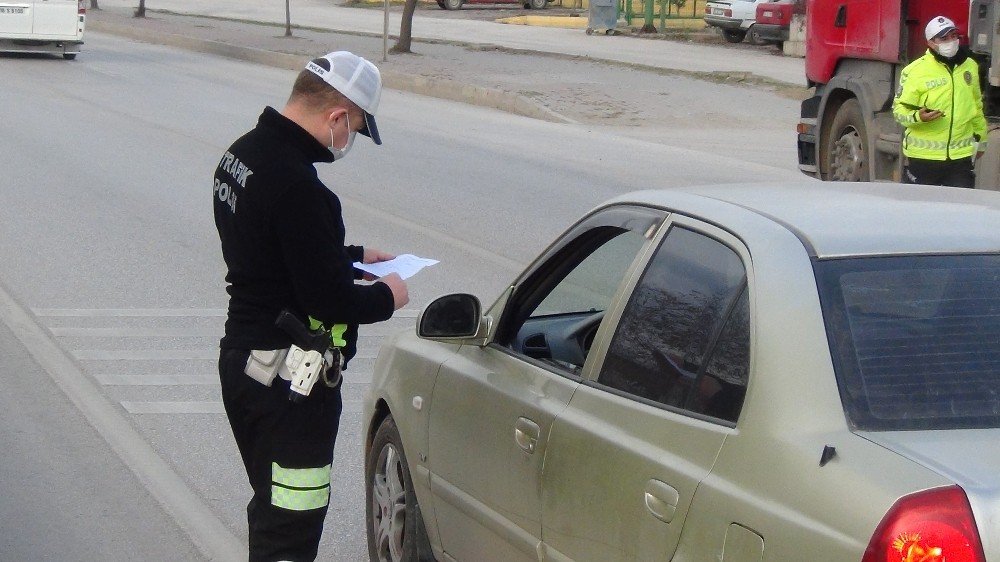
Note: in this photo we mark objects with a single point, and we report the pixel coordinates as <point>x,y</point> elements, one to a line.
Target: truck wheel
<point>733,35</point>
<point>848,145</point>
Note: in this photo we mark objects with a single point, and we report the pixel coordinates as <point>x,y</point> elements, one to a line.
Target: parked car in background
<point>774,20</point>
<point>42,26</point>
<point>734,17</point>
<point>457,4</point>
<point>741,372</point>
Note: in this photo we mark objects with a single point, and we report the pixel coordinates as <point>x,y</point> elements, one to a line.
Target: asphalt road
<point>108,241</point>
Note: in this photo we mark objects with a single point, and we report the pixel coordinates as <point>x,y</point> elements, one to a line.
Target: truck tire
<point>848,151</point>
<point>733,35</point>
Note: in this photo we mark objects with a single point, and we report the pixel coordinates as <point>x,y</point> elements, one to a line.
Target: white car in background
<point>735,18</point>
<point>42,26</point>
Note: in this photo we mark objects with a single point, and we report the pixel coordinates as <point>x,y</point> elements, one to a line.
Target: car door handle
<point>661,500</point>
<point>526,434</point>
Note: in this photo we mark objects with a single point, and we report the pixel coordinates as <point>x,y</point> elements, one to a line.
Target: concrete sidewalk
<point>658,54</point>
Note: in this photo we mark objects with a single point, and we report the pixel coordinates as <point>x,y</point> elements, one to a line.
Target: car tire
<point>452,4</point>
<point>753,37</point>
<point>733,35</point>
<point>847,145</point>
<point>442,5</point>
<point>396,531</point>
<point>538,4</point>
<point>69,56</point>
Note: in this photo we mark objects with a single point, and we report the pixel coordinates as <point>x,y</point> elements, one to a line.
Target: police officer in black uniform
<point>282,236</point>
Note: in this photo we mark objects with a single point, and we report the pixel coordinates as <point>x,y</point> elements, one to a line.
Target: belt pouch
<point>262,365</point>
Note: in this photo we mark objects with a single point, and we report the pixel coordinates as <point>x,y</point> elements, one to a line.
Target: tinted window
<point>572,296</point>
<point>915,340</point>
<point>674,345</point>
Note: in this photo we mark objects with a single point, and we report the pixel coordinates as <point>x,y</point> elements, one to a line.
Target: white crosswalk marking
<point>163,361</point>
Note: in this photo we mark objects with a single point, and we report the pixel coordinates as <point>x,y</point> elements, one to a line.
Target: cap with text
<point>357,79</point>
<point>938,27</point>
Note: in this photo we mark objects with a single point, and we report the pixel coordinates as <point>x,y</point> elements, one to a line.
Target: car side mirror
<point>452,317</point>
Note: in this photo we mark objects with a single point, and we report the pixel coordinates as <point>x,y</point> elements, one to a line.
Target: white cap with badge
<point>938,26</point>
<point>357,79</point>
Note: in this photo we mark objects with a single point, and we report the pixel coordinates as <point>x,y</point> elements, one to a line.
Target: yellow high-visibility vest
<point>927,82</point>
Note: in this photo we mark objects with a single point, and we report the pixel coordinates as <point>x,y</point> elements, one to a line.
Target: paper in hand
<point>406,265</point>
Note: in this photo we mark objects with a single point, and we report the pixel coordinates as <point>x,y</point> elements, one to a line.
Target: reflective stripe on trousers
<point>300,489</point>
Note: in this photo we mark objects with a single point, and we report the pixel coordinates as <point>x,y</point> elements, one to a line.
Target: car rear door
<point>648,421</point>
<point>492,407</point>
<point>15,18</point>
<point>55,18</point>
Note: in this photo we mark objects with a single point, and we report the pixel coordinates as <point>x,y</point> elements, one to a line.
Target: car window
<point>683,340</point>
<point>555,317</point>
<point>915,340</point>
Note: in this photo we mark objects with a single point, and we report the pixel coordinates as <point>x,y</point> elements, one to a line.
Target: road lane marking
<point>209,534</point>
<point>157,380</point>
<point>198,407</point>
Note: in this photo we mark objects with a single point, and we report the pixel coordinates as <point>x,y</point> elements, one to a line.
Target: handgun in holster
<point>310,358</point>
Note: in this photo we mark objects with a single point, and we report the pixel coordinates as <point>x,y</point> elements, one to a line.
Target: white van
<point>42,26</point>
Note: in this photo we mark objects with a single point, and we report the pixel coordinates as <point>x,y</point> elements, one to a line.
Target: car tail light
<point>931,526</point>
<point>708,9</point>
<point>81,7</point>
<point>728,13</point>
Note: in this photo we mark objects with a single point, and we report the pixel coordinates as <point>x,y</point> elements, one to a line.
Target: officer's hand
<point>400,294</point>
<point>374,256</point>
<point>929,114</point>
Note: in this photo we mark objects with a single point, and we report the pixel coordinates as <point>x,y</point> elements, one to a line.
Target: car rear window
<point>915,340</point>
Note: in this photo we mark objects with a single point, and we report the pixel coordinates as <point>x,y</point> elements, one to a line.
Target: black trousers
<point>287,449</point>
<point>954,173</point>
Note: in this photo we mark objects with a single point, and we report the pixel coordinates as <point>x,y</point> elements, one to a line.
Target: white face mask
<point>339,153</point>
<point>948,49</point>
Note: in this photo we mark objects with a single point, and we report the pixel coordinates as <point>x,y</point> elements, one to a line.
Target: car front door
<point>493,406</point>
<point>648,420</point>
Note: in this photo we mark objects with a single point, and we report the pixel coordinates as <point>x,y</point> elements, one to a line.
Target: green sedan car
<point>790,373</point>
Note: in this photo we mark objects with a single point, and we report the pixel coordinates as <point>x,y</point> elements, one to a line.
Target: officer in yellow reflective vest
<point>940,106</point>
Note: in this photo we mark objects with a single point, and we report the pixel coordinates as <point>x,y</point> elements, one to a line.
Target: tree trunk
<point>140,12</point>
<point>405,28</point>
<point>288,19</point>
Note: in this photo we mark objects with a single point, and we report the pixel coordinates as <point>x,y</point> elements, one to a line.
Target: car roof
<point>836,219</point>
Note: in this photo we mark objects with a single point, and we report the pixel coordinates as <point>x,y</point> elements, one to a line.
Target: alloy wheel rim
<point>388,505</point>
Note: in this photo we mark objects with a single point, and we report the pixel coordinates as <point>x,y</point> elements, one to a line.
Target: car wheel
<point>396,530</point>
<point>753,37</point>
<point>452,4</point>
<point>69,56</point>
<point>538,4</point>
<point>733,35</point>
<point>848,145</point>
<point>441,5</point>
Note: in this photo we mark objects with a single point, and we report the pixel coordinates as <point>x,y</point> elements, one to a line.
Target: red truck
<point>855,51</point>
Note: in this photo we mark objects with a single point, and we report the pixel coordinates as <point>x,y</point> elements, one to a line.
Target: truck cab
<point>42,26</point>
<point>855,51</point>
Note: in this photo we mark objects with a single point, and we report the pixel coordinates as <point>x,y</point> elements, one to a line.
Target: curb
<point>438,88</point>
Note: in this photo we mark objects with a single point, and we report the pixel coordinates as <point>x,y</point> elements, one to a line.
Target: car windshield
<point>915,340</point>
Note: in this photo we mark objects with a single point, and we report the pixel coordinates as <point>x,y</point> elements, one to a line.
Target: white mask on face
<point>948,49</point>
<point>339,153</point>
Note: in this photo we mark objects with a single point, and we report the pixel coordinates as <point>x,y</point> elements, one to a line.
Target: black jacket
<point>282,236</point>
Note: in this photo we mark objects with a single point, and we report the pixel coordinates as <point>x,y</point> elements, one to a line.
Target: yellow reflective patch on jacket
<point>300,489</point>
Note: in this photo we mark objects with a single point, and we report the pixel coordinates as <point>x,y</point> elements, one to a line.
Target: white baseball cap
<point>358,79</point>
<point>938,26</point>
